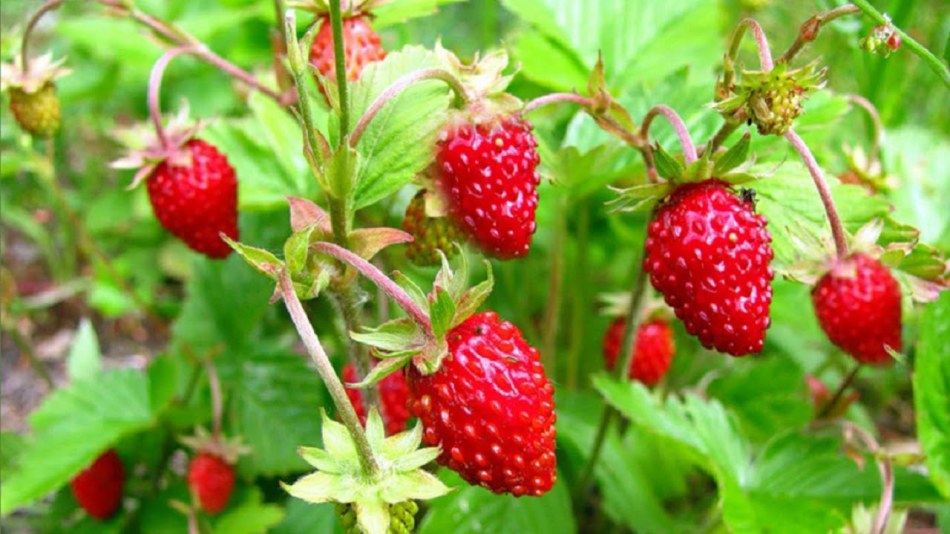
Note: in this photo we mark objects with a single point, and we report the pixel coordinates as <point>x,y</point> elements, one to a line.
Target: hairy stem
<point>811,27</point>
<point>689,149</point>
<point>325,369</point>
<point>557,98</point>
<point>154,92</point>
<point>399,86</point>
<point>339,57</point>
<point>367,269</point>
<point>836,398</point>
<point>28,30</point>
<point>761,43</point>
<point>552,312</point>
<point>837,230</point>
<point>918,49</point>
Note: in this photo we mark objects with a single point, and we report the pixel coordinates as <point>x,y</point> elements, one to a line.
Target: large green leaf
<point>399,12</point>
<point>303,516</point>
<point>399,141</point>
<point>247,514</point>
<point>73,426</point>
<point>472,509</point>
<point>932,391</point>
<point>276,402</point>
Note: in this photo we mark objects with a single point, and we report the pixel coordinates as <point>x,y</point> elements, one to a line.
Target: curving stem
<point>401,85</point>
<point>154,90</point>
<point>689,149</point>
<point>382,281</point>
<point>325,369</point>
<point>837,230</point>
<point>811,27</point>
<point>24,49</point>
<point>877,126</point>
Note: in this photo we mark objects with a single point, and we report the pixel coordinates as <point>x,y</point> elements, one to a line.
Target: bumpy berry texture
<point>402,517</point>
<point>776,108</point>
<point>98,489</point>
<point>490,408</point>
<point>211,480</point>
<point>361,43</point>
<point>393,392</point>
<point>196,200</point>
<point>858,304</point>
<point>653,349</point>
<point>37,113</point>
<point>429,234</point>
<point>708,253</point>
<point>488,173</point>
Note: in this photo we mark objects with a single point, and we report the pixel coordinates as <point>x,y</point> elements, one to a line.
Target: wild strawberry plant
<point>324,351</point>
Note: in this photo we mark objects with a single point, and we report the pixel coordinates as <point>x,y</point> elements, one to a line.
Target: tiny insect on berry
<point>98,488</point>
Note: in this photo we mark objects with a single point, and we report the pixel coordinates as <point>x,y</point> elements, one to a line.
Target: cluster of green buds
<point>882,40</point>
<point>402,518</point>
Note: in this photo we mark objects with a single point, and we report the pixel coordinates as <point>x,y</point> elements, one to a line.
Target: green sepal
<point>441,311</point>
<point>261,260</point>
<point>733,157</point>
<point>467,304</point>
<point>395,335</point>
<point>638,196</point>
<point>411,288</point>
<point>390,364</point>
<point>666,165</point>
<point>296,252</point>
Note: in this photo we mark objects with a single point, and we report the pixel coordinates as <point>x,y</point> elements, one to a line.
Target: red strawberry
<point>98,489</point>
<point>858,304</point>
<point>708,253</point>
<point>488,173</point>
<point>211,480</point>
<point>490,407</point>
<point>194,196</point>
<point>361,45</point>
<point>393,392</point>
<point>653,350</point>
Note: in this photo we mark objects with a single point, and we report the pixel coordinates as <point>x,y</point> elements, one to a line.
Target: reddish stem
<point>24,49</point>
<point>217,406</point>
<point>154,91</point>
<point>380,279</point>
<point>399,86</point>
<point>689,149</point>
<point>809,30</point>
<point>837,230</point>
<point>555,98</point>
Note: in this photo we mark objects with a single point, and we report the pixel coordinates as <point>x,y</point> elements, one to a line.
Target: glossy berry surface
<point>653,349</point>
<point>37,112</point>
<point>429,234</point>
<point>361,44</point>
<point>488,174</point>
<point>708,253</point>
<point>393,392</point>
<point>98,488</point>
<point>858,304</point>
<point>490,408</point>
<point>211,480</point>
<point>195,198</point>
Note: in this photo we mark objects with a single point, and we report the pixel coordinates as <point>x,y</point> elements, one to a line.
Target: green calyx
<point>485,83</point>
<point>732,166</point>
<point>773,99</point>
<point>379,504</point>
<point>401,341</point>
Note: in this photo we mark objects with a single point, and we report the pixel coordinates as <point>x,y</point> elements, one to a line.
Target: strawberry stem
<point>811,27</point>
<point>836,398</point>
<point>401,85</point>
<point>217,407</point>
<point>557,98</point>
<point>886,469</point>
<point>837,230</point>
<point>339,57</point>
<point>154,92</point>
<point>24,49</point>
<point>325,369</point>
<point>689,149</point>
<point>382,281</point>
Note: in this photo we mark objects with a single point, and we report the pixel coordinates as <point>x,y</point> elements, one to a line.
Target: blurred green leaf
<point>84,360</point>
<point>394,13</point>
<point>932,391</point>
<point>302,516</point>
<point>247,514</point>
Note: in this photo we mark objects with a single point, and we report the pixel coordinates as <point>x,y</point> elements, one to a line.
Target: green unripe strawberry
<point>402,517</point>
<point>37,112</point>
<point>430,234</point>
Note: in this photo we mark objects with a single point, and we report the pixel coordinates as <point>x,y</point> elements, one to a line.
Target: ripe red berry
<point>653,349</point>
<point>488,173</point>
<point>98,489</point>
<point>490,408</point>
<point>708,253</point>
<point>393,392</point>
<point>211,480</point>
<point>195,198</point>
<point>361,44</point>
<point>858,304</point>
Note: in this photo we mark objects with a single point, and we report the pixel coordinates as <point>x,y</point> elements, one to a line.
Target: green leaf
<point>932,391</point>
<point>399,141</point>
<point>247,514</point>
<point>441,311</point>
<point>473,509</point>
<point>276,398</point>
<point>735,156</point>
<point>72,427</point>
<point>261,260</point>
<point>399,12</point>
<point>411,288</point>
<point>395,335</point>
<point>666,165</point>
<point>84,359</point>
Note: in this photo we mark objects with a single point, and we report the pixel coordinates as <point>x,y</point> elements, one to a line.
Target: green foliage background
<point>732,452</point>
